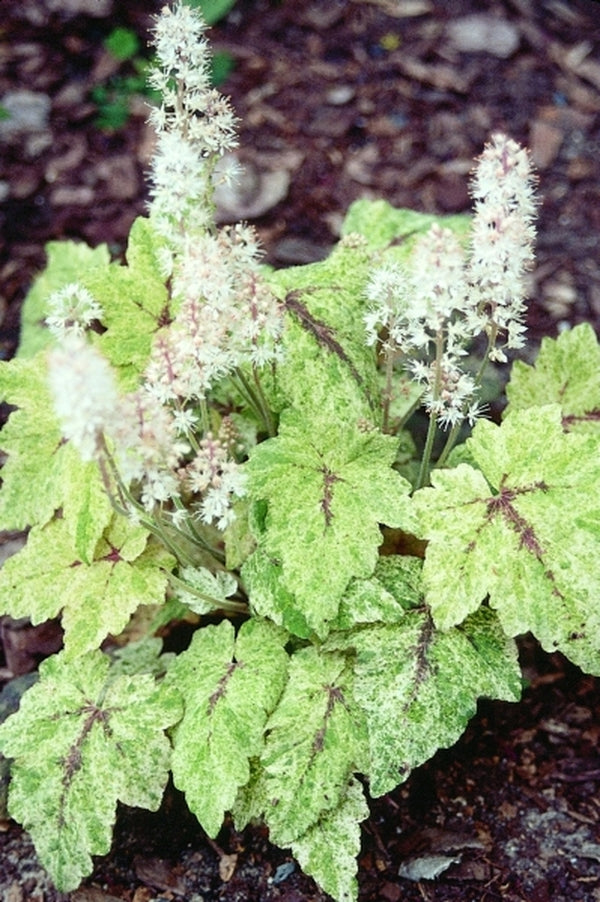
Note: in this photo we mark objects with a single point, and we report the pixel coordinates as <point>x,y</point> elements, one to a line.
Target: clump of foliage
<point>195,437</point>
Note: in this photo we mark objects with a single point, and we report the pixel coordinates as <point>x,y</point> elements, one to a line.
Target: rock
<point>338,95</point>
<point>72,195</point>
<point>483,33</point>
<point>250,192</point>
<point>28,113</point>
<point>98,9</point>
<point>120,174</point>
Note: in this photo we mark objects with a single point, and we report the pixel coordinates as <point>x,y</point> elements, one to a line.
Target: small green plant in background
<point>113,97</point>
<point>194,437</point>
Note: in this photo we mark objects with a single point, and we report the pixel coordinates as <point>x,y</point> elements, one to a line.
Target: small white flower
<point>71,310</point>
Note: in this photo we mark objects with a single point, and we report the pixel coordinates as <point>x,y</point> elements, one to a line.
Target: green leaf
<point>367,601</point>
<point>328,851</point>
<point>66,262</point>
<point>327,366</point>
<point>327,489</point>
<point>96,599</point>
<point>42,474</point>
<point>135,302</point>
<point>230,686</point>
<point>212,10</point>
<point>316,739</point>
<point>207,590</point>
<point>523,530</point>
<point>122,43</point>
<point>418,686</point>
<point>386,227</point>
<point>81,742</point>
<point>566,372</point>
<point>269,597</point>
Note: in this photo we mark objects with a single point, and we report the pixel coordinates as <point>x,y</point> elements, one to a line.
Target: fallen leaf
<point>227,866</point>
<point>427,866</point>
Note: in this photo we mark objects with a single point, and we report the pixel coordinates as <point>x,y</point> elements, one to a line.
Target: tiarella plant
<point>192,434</point>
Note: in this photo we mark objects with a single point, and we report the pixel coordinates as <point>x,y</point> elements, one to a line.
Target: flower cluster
<point>502,239</point>
<point>430,311</point>
<point>214,475</point>
<point>195,125</point>
<point>142,439</point>
<point>78,373</point>
<point>227,317</point>
<point>156,446</point>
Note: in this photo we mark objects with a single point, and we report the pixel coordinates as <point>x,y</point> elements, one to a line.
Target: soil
<point>340,100</point>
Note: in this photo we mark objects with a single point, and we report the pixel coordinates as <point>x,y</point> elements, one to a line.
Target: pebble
<point>340,94</point>
<point>99,9</point>
<point>251,193</point>
<point>482,33</point>
<point>28,113</point>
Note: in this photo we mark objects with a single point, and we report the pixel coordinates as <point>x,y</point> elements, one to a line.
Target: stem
<point>449,445</point>
<point>426,459</point>
<point>204,416</point>
<point>452,436</point>
<point>266,410</point>
<point>235,607</point>
<point>387,391</point>
<point>193,535</point>
<point>255,399</point>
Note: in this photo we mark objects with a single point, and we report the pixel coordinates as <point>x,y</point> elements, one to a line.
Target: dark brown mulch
<point>349,99</point>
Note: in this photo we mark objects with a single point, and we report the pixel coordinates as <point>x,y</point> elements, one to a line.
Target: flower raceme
<point>156,445</point>
<point>429,312</point>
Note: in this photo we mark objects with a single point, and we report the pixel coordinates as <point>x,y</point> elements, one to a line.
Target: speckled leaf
<point>395,587</point>
<point>230,686</point>
<point>367,601</point>
<point>328,851</point>
<point>205,589</point>
<point>316,739</point>
<point>524,529</point>
<point>135,302</point>
<point>418,686</point>
<point>566,372</point>
<point>80,743</point>
<point>396,229</point>
<point>327,490</point>
<point>327,366</point>
<point>66,262</point>
<point>42,474</point>
<point>269,597</point>
<point>95,599</point>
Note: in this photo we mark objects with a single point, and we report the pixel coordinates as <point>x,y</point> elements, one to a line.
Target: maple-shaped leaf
<point>135,303</point>
<point>328,851</point>
<point>327,490</point>
<point>315,741</point>
<point>66,262</point>
<point>418,686</point>
<point>47,578</point>
<point>230,686</point>
<point>395,587</point>
<point>566,372</point>
<point>269,596</point>
<point>393,229</point>
<point>522,529</point>
<point>82,741</point>
<point>43,474</point>
<point>326,364</point>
